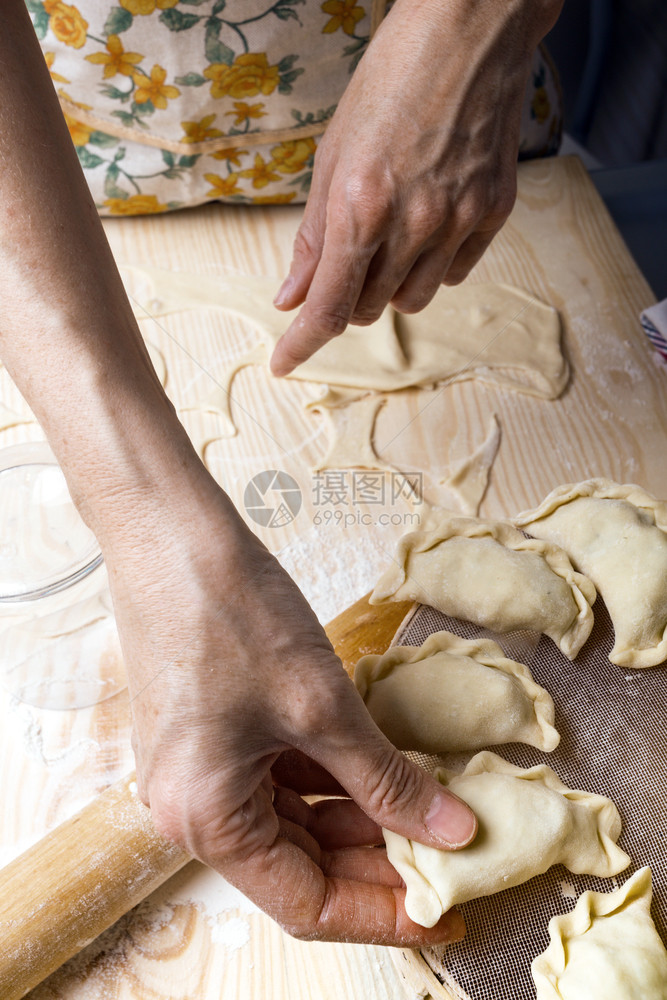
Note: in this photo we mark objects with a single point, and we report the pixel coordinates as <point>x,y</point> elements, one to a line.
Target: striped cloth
<point>654,322</point>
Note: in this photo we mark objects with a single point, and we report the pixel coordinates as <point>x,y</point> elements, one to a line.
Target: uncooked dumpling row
<point>487,572</point>
<point>528,821</point>
<point>607,948</point>
<point>617,536</point>
<point>453,694</point>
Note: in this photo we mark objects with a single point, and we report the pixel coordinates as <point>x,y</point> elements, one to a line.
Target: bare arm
<point>229,671</point>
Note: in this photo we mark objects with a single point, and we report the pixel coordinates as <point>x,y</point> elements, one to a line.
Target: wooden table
<point>194,938</point>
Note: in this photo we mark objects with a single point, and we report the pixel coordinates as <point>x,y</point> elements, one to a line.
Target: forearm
<point>67,332</point>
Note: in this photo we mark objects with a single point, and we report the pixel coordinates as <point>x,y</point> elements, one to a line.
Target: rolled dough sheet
<point>492,332</point>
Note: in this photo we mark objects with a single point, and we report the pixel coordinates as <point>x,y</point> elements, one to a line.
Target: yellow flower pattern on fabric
<point>136,204</point>
<point>222,187</point>
<point>229,75</point>
<point>200,131</point>
<point>345,14</point>
<point>232,156</point>
<point>153,88</point>
<point>243,111</point>
<point>115,59</point>
<point>49,58</point>
<point>274,199</point>
<point>249,75</point>
<point>261,174</point>
<point>66,23</point>
<point>145,7</point>
<point>292,156</point>
<point>79,133</point>
<point>246,78</point>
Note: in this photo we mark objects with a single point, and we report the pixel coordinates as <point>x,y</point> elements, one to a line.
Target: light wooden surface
<point>612,420</point>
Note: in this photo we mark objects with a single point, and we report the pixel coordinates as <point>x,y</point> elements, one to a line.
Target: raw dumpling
<point>451,694</point>
<point>617,536</point>
<point>488,573</point>
<point>607,948</point>
<point>528,821</point>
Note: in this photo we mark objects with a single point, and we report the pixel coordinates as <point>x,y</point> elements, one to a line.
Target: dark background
<point>611,56</point>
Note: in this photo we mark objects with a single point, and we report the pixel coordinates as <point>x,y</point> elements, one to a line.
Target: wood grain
<point>560,244</point>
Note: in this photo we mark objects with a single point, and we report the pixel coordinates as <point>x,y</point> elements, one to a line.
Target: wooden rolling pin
<point>77,881</point>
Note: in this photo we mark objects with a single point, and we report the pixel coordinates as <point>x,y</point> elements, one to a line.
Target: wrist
<point>530,20</point>
<point>127,458</point>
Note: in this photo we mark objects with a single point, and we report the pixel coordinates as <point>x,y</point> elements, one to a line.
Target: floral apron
<point>171,103</point>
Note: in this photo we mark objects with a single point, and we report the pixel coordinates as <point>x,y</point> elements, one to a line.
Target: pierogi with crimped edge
<point>488,573</point>
<point>528,821</point>
<point>607,948</point>
<point>617,535</point>
<point>453,694</point>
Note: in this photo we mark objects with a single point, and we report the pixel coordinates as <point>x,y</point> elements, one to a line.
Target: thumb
<point>396,793</point>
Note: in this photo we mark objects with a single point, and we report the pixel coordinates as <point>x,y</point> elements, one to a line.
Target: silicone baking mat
<point>613,726</point>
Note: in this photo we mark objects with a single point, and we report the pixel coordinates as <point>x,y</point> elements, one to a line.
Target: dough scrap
<point>220,399</point>
<point>616,535</point>
<point>528,821</point>
<point>351,428</point>
<point>468,482</point>
<point>487,572</point>
<point>607,948</point>
<point>453,694</point>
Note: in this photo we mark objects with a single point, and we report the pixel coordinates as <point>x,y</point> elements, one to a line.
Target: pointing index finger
<point>330,302</point>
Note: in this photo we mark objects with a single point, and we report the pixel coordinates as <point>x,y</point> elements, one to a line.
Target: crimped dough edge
<point>599,489</point>
<point>608,824</point>
<point>607,489</point>
<point>506,534</point>
<point>374,667</point>
<point>608,817</point>
<point>548,967</point>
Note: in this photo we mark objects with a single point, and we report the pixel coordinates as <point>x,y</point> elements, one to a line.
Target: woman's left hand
<point>417,170</point>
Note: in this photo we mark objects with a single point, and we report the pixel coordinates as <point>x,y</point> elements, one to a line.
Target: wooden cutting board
<point>612,420</point>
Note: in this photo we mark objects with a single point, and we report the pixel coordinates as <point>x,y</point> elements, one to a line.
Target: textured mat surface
<point>613,726</point>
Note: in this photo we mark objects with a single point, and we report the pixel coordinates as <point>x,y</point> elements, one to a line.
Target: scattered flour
<point>568,890</point>
<point>208,891</point>
<point>33,740</point>
<point>333,577</point>
<point>232,934</point>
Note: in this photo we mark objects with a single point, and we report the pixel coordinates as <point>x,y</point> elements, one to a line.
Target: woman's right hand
<point>231,677</point>
<point>240,705</point>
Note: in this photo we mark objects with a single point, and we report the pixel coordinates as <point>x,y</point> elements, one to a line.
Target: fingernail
<point>284,291</point>
<point>454,927</point>
<point>451,821</point>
